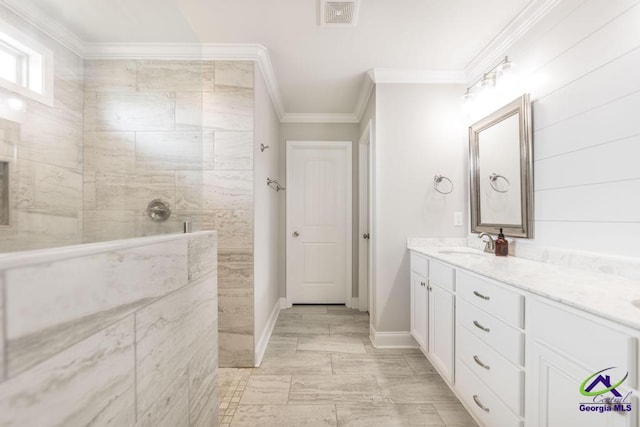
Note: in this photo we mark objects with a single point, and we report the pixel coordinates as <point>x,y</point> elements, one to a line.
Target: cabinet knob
<point>296,234</point>
<point>366,236</point>
<point>423,284</point>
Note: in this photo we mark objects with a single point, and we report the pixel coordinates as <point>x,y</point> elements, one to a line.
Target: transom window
<point>12,64</point>
<point>26,67</point>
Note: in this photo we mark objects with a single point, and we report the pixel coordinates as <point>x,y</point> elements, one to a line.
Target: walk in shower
<point>139,145</point>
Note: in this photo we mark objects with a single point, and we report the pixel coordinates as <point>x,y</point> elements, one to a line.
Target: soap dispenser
<point>502,245</point>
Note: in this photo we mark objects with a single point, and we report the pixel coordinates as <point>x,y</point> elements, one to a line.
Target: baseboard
<point>261,345</point>
<point>283,303</point>
<point>399,339</point>
<point>354,303</point>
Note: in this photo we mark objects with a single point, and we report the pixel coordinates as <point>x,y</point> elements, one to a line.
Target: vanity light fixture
<point>501,71</point>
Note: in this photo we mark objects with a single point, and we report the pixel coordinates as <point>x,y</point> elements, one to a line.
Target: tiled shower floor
<point>320,369</point>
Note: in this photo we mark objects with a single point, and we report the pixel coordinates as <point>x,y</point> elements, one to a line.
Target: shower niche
<point>9,136</point>
<point>10,238</point>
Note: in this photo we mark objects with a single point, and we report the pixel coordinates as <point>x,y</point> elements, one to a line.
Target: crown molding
<point>320,118</point>
<point>172,51</point>
<point>36,17</point>
<point>373,77</point>
<point>497,48</point>
<point>365,93</point>
<point>487,57</point>
<point>269,75</point>
<point>185,51</point>
<point>415,76</point>
<point>403,76</point>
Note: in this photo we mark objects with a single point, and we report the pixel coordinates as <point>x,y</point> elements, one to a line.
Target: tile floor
<point>320,369</point>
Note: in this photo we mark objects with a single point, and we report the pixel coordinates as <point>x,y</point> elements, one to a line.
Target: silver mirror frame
<point>521,106</point>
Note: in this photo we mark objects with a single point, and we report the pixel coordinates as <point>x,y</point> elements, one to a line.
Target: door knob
<point>365,236</point>
<point>296,234</point>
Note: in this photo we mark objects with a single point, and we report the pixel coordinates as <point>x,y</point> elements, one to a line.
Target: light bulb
<point>467,102</point>
<point>506,68</point>
<point>487,82</point>
<point>16,104</point>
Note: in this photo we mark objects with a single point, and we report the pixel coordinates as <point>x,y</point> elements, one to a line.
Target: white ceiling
<point>319,70</point>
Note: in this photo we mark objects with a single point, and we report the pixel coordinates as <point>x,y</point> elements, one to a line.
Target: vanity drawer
<point>503,338</point>
<point>419,264</point>
<point>501,376</point>
<point>502,303</point>
<point>477,396</point>
<point>443,275</point>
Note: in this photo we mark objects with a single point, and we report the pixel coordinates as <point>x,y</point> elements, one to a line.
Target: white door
<point>364,235</point>
<point>319,221</point>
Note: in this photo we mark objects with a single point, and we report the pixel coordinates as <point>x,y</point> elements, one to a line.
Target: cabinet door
<point>564,351</point>
<point>441,330</point>
<point>419,309</point>
<point>553,380</point>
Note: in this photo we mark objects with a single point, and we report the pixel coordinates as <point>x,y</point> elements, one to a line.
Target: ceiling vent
<point>338,14</point>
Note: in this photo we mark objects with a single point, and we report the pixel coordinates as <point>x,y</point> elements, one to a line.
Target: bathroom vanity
<point>518,340</point>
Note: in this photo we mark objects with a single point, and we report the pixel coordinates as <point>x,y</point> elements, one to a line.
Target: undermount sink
<point>636,303</point>
<point>462,251</point>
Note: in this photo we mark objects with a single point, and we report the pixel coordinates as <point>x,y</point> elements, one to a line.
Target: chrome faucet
<point>490,245</point>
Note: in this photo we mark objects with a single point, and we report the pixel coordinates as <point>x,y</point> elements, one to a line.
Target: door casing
<point>347,146</point>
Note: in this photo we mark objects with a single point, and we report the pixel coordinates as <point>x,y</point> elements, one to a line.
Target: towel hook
<point>437,179</point>
<point>263,147</point>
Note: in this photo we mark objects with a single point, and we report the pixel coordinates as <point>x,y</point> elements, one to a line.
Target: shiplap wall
<point>581,64</point>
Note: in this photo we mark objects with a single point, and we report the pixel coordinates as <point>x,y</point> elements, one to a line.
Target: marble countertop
<point>603,295</point>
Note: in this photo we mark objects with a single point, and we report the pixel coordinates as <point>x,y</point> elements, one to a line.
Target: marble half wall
<point>118,333</point>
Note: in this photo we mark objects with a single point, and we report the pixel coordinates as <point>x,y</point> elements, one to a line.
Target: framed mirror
<point>501,167</point>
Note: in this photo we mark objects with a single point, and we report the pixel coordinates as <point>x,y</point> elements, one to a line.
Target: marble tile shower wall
<point>46,159</point>
<point>122,336</point>
<point>181,131</point>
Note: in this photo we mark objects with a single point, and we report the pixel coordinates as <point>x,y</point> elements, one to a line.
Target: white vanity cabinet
<point>419,300</point>
<point>432,311</point>
<point>564,348</point>
<point>516,358</point>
